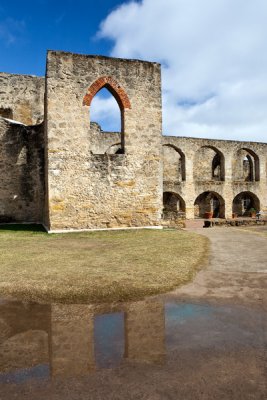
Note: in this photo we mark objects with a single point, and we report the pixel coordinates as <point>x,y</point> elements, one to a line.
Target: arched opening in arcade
<point>246,166</point>
<point>173,206</point>
<point>209,203</point>
<point>173,164</point>
<point>209,165</point>
<point>245,204</point>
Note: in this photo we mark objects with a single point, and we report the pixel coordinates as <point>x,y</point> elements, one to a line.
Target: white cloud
<point>214,60</point>
<point>105,111</point>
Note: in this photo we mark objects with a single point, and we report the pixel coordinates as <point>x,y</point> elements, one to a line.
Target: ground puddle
<point>44,342</point>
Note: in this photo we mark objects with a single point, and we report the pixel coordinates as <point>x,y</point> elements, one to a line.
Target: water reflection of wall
<point>145,332</point>
<point>24,335</point>
<point>72,350</point>
<point>81,338</point>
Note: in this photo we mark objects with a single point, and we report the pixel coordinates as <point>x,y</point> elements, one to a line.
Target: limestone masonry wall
<point>211,168</point>
<point>87,187</point>
<point>60,169</point>
<point>22,172</point>
<point>22,98</point>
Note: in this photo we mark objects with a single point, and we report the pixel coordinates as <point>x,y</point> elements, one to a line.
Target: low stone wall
<point>237,222</point>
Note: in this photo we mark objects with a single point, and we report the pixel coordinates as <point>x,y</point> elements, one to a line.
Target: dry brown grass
<point>99,266</point>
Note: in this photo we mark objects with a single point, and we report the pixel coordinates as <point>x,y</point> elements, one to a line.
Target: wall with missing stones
<point>22,172</point>
<point>69,174</point>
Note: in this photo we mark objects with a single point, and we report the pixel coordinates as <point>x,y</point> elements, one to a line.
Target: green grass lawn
<point>97,266</point>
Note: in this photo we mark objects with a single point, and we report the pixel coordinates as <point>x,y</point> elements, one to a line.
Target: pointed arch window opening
<point>105,111</point>
<point>117,91</point>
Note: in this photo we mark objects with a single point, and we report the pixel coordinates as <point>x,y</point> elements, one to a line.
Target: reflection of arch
<point>246,166</point>
<point>173,163</point>
<point>209,202</point>
<point>244,202</point>
<point>113,86</point>
<point>209,164</point>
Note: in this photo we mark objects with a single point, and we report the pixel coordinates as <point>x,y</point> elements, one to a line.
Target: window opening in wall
<point>216,167</point>
<point>209,165</point>
<point>173,164</point>
<point>105,111</point>
<point>246,166</point>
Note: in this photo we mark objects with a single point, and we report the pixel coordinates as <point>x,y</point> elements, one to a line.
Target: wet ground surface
<point>206,340</point>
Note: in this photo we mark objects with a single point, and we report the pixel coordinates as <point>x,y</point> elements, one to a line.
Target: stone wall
<point>89,188</point>
<point>22,172</point>
<point>69,174</point>
<point>22,98</point>
<point>218,176</point>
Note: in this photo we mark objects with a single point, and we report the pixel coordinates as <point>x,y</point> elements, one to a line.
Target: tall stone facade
<point>60,169</point>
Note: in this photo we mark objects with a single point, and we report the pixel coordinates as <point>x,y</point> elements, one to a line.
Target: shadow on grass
<point>22,228</point>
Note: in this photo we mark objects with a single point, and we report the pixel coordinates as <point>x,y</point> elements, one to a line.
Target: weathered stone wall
<point>22,172</point>
<point>87,188</point>
<point>22,98</point>
<point>225,183</point>
<point>68,173</point>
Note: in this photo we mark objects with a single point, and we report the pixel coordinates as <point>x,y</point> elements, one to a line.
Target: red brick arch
<point>114,88</point>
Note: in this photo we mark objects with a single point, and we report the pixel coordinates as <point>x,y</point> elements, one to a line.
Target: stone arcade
<point>60,169</point>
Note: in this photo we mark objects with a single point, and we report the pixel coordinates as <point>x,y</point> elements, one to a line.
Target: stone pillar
<point>228,191</point>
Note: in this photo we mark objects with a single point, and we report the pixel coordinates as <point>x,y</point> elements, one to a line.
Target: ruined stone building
<point>60,169</point>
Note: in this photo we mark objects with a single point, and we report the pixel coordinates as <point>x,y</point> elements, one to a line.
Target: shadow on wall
<point>22,179</point>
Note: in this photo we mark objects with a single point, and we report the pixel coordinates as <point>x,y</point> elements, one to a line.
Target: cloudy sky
<point>213,54</point>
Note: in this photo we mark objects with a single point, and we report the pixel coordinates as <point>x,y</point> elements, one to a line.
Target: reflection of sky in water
<point>177,314</point>
<point>184,323</point>
<point>22,375</point>
<point>109,339</point>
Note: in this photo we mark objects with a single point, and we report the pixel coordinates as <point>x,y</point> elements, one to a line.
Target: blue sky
<point>213,54</point>
<point>28,28</point>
